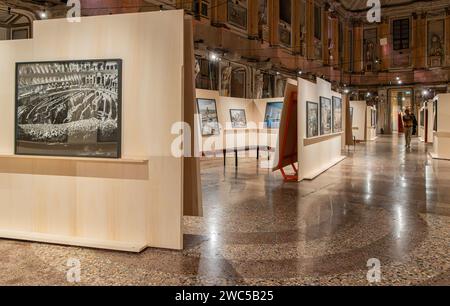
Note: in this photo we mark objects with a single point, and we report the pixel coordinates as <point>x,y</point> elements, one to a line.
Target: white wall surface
<point>325,151</point>
<point>359,119</point>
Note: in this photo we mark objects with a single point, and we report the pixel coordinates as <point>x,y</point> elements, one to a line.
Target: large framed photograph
<point>312,119</point>
<point>272,116</point>
<point>435,110</point>
<point>208,117</point>
<point>422,118</point>
<point>351,116</point>
<point>325,116</point>
<point>374,118</point>
<point>238,118</point>
<point>337,115</point>
<point>69,108</point>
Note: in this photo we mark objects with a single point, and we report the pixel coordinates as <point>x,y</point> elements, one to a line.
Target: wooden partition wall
<point>125,204</point>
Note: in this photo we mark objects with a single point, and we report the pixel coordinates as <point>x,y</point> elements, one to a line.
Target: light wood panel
<point>123,204</point>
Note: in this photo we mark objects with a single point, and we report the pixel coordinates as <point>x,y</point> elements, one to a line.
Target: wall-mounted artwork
<point>435,49</point>
<point>370,48</point>
<point>69,108</point>
<point>337,115</point>
<point>208,114</point>
<point>272,117</point>
<point>238,118</point>
<point>237,13</point>
<point>435,110</point>
<point>312,119</point>
<point>374,117</point>
<point>422,118</point>
<point>351,116</point>
<point>325,116</point>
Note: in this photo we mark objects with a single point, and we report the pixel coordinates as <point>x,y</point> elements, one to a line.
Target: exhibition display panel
<point>441,127</point>
<point>318,154</point>
<point>92,91</point>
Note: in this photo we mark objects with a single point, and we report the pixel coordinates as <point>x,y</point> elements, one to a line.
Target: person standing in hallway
<point>408,123</point>
<point>415,124</point>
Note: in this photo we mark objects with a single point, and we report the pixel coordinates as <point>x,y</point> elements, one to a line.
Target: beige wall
<point>319,154</point>
<point>359,119</point>
<point>110,204</point>
<point>230,138</point>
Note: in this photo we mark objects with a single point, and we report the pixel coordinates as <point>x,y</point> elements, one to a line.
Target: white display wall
<point>317,154</point>
<point>229,138</point>
<point>123,204</point>
<point>359,119</point>
<point>442,135</point>
<point>371,127</point>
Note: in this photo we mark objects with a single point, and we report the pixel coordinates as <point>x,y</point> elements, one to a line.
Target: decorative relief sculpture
<point>435,43</point>
<point>259,85</point>
<point>225,81</point>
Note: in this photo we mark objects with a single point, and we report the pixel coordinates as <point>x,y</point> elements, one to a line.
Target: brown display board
<point>192,200</point>
<point>287,140</point>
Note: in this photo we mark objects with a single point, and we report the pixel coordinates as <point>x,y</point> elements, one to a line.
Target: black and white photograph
<point>69,108</point>
<point>337,115</point>
<point>325,116</point>
<point>238,118</point>
<point>208,117</point>
<point>435,110</point>
<point>374,118</point>
<point>351,116</point>
<point>312,119</point>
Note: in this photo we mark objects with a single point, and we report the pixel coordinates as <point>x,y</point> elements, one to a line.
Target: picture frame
<point>209,120</point>
<point>312,119</point>
<point>69,108</point>
<point>325,116</point>
<point>238,118</point>
<point>272,116</point>
<point>337,114</point>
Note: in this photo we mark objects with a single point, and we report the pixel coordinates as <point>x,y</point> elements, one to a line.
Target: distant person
<point>408,124</point>
<point>415,124</point>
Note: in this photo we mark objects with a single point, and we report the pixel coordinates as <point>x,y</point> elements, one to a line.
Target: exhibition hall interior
<point>225,142</point>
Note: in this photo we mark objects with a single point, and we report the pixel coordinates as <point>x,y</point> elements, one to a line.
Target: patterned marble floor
<point>381,202</point>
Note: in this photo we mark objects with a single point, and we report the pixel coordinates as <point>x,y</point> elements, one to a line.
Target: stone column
<point>335,40</point>
<point>447,33</point>
<point>273,21</point>
<point>310,29</point>
<point>325,36</point>
<point>358,46</point>
<point>383,30</point>
<point>419,41</point>
<point>295,32</point>
<point>252,17</point>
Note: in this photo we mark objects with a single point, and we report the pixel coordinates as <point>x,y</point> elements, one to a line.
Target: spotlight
<point>397,78</point>
<point>400,82</point>
<point>300,72</point>
<point>425,92</point>
<point>346,91</point>
<point>214,57</point>
<point>43,14</point>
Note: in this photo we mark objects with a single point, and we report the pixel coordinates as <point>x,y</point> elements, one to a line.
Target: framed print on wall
<point>337,115</point>
<point>238,118</point>
<point>69,108</point>
<point>312,119</point>
<point>208,117</point>
<point>435,110</point>
<point>325,116</point>
<point>351,116</point>
<point>272,116</point>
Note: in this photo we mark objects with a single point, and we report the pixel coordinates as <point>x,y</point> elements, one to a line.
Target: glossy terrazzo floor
<point>381,202</point>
